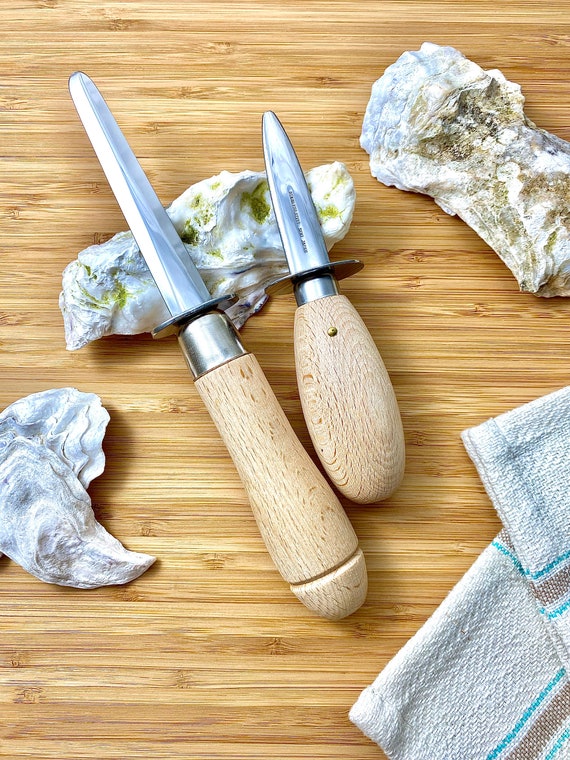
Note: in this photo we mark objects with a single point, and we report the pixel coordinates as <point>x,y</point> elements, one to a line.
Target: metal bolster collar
<point>315,283</point>
<point>311,289</point>
<point>208,342</point>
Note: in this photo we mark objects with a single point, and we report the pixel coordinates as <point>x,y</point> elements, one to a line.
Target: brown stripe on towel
<point>544,727</point>
<point>551,589</point>
<point>554,588</point>
<point>504,538</point>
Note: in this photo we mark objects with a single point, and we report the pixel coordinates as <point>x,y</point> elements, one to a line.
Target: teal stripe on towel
<point>508,553</point>
<point>527,715</point>
<point>556,612</point>
<point>532,575</point>
<point>559,742</point>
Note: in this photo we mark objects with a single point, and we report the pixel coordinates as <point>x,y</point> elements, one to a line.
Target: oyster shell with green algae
<point>230,232</point>
<point>50,450</point>
<point>438,124</point>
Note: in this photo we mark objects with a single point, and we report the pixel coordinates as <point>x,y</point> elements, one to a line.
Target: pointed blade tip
<point>174,272</point>
<point>270,124</point>
<point>78,78</point>
<point>295,212</point>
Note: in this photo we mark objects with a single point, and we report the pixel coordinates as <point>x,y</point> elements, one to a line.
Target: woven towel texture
<point>486,677</point>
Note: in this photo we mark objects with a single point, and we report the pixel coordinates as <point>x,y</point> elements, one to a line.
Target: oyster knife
<point>347,397</point>
<point>302,522</point>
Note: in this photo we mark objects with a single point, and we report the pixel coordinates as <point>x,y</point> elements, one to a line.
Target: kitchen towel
<point>487,676</point>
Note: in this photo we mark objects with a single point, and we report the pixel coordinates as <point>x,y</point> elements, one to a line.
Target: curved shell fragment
<point>69,423</point>
<point>50,450</point>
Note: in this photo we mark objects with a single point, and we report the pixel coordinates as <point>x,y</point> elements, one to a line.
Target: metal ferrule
<point>208,342</point>
<point>316,287</point>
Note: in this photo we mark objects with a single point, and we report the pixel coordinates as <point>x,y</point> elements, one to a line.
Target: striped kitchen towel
<point>487,676</point>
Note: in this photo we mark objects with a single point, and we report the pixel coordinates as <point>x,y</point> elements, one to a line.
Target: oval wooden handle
<point>348,401</point>
<point>303,524</point>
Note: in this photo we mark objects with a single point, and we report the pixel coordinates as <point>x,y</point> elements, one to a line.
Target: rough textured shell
<point>229,230</point>
<point>50,450</point>
<point>439,124</point>
<point>69,423</point>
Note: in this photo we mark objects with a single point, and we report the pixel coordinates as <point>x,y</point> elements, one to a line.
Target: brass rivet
<point>332,331</point>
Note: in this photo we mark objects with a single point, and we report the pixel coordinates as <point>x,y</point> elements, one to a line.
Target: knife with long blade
<point>347,397</point>
<point>302,522</point>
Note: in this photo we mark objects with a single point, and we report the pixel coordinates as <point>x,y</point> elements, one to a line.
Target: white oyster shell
<point>230,232</point>
<point>50,450</point>
<point>69,423</point>
<point>438,124</point>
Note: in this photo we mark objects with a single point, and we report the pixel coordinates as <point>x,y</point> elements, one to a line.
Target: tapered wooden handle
<point>348,401</point>
<point>303,524</point>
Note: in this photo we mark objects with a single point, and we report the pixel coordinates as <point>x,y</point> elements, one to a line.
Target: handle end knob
<point>338,593</point>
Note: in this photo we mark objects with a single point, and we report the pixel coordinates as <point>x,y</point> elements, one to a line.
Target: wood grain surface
<point>348,400</point>
<point>305,529</point>
<point>208,654</point>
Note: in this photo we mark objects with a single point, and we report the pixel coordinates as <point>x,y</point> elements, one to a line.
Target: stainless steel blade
<point>294,209</point>
<point>173,270</point>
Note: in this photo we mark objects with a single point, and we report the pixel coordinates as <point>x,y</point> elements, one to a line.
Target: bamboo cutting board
<point>208,655</point>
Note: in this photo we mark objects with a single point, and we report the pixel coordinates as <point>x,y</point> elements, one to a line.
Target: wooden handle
<point>302,522</point>
<point>348,400</point>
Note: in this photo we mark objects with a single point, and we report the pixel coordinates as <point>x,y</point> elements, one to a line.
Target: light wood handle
<point>348,401</point>
<point>303,524</point>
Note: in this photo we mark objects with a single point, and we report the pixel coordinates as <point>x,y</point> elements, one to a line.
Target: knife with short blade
<point>301,520</point>
<point>347,397</point>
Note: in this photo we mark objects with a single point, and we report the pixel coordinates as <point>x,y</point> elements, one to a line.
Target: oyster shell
<point>229,230</point>
<point>69,423</point>
<point>50,450</point>
<point>438,124</point>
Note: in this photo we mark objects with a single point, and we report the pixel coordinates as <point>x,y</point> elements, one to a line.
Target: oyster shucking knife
<point>302,522</point>
<point>347,397</point>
